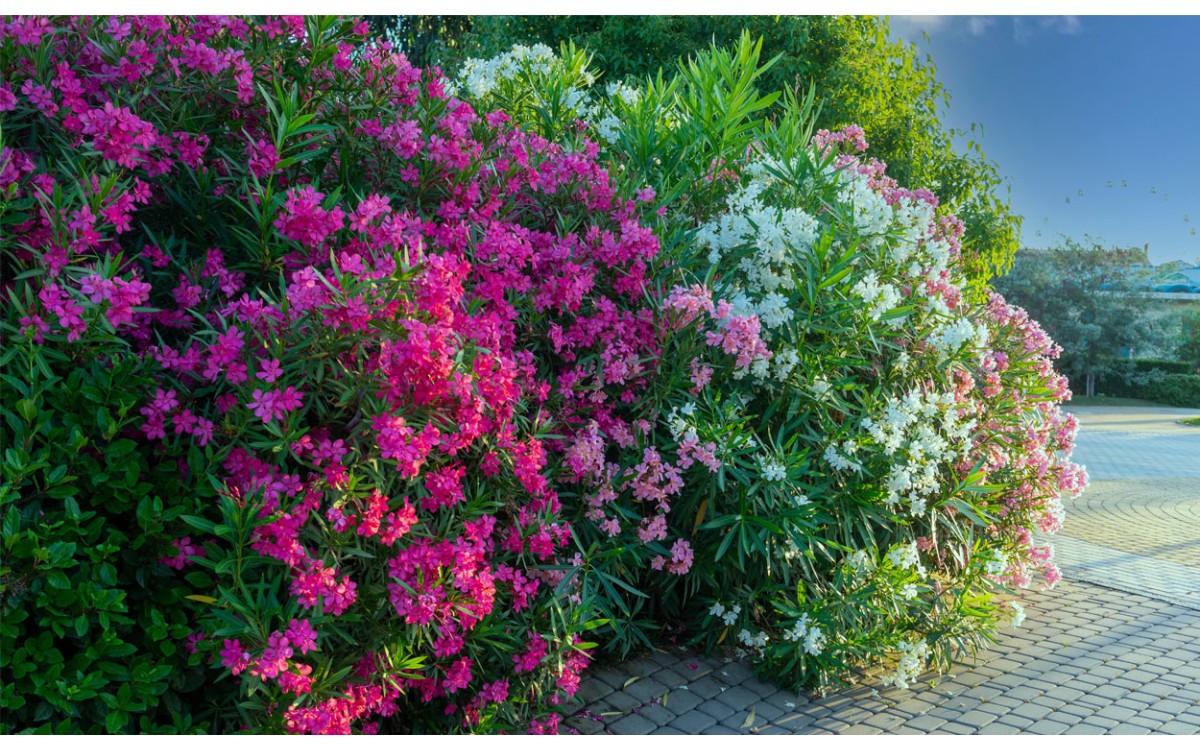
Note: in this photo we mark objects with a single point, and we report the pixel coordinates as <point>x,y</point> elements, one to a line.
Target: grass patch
<point>1192,421</point>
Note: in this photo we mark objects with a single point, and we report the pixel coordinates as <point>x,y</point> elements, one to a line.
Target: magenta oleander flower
<point>271,405</point>
<point>305,220</point>
<point>458,676</point>
<point>235,658</point>
<point>533,654</point>
<point>302,636</point>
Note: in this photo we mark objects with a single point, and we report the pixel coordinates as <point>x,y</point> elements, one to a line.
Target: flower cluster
<point>447,386</point>
<point>374,418</point>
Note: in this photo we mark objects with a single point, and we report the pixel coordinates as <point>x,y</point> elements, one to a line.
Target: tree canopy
<point>861,75</point>
<point>1089,299</point>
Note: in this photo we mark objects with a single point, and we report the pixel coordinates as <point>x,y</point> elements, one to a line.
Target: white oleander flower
<point>1018,614</point>
<point>772,471</point>
<point>798,630</point>
<point>904,555</point>
<point>814,641</point>
<point>820,388</point>
<point>997,565</point>
<point>913,656</point>
<point>625,93</point>
<point>608,128</point>
<point>860,561</point>
<point>753,640</point>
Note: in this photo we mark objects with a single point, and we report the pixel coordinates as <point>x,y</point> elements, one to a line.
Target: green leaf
<point>27,410</point>
<point>201,524</point>
<point>115,721</point>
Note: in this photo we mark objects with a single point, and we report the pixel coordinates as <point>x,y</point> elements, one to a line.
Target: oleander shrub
<point>862,482</point>
<point>347,397</point>
<point>364,317</point>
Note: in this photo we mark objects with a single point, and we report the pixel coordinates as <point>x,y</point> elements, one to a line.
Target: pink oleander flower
<point>183,550</point>
<point>701,375</point>
<point>853,135</point>
<point>304,219</point>
<point>262,158</point>
<point>269,370</point>
<point>494,692</point>
<point>275,657</point>
<point>528,660</point>
<point>652,529</point>
<point>458,676</point>
<point>680,562</point>
<point>547,724</point>
<point>301,635</point>
<point>272,405</point>
<point>445,487</point>
<point>235,658</point>
<point>689,303</point>
<point>296,682</point>
<point>739,336</point>
<point>68,312</point>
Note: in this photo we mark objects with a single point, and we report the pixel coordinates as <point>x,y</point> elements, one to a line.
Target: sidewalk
<point>1113,649</point>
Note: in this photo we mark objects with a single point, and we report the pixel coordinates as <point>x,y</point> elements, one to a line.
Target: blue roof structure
<point>1184,281</point>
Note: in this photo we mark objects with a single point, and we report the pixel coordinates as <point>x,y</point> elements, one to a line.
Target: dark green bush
<point>1134,378</point>
<point>93,628</point>
<point>1177,390</point>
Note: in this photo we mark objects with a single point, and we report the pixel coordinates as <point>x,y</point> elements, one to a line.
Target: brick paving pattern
<point>1137,527</point>
<point>1114,649</point>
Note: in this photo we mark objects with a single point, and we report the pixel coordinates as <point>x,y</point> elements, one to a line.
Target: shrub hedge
<point>346,396</point>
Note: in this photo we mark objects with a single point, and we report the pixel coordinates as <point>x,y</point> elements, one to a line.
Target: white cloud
<point>1069,25</point>
<point>1024,30</point>
<point>978,25</point>
<point>912,27</point>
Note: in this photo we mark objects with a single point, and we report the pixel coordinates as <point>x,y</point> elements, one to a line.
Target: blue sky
<point>1095,120</point>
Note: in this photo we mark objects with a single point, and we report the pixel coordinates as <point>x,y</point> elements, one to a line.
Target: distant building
<point>1182,281</point>
<point>1177,288</point>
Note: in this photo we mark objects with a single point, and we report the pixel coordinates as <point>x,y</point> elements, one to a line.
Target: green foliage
<point>424,39</point>
<point>1089,299</point>
<point>804,563</point>
<point>1188,348</point>
<point>861,75</point>
<point>93,626</point>
<point>1176,390</point>
<point>1133,377</point>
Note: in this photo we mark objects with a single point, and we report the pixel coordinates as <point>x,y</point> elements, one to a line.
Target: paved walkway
<point>1114,649</point>
<point>1137,527</point>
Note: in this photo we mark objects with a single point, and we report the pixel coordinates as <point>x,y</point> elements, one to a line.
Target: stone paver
<point>1114,649</point>
<point>1137,527</point>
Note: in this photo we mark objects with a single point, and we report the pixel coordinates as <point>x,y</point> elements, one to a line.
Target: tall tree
<point>1188,348</point>
<point>426,40</point>
<point>1091,300</point>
